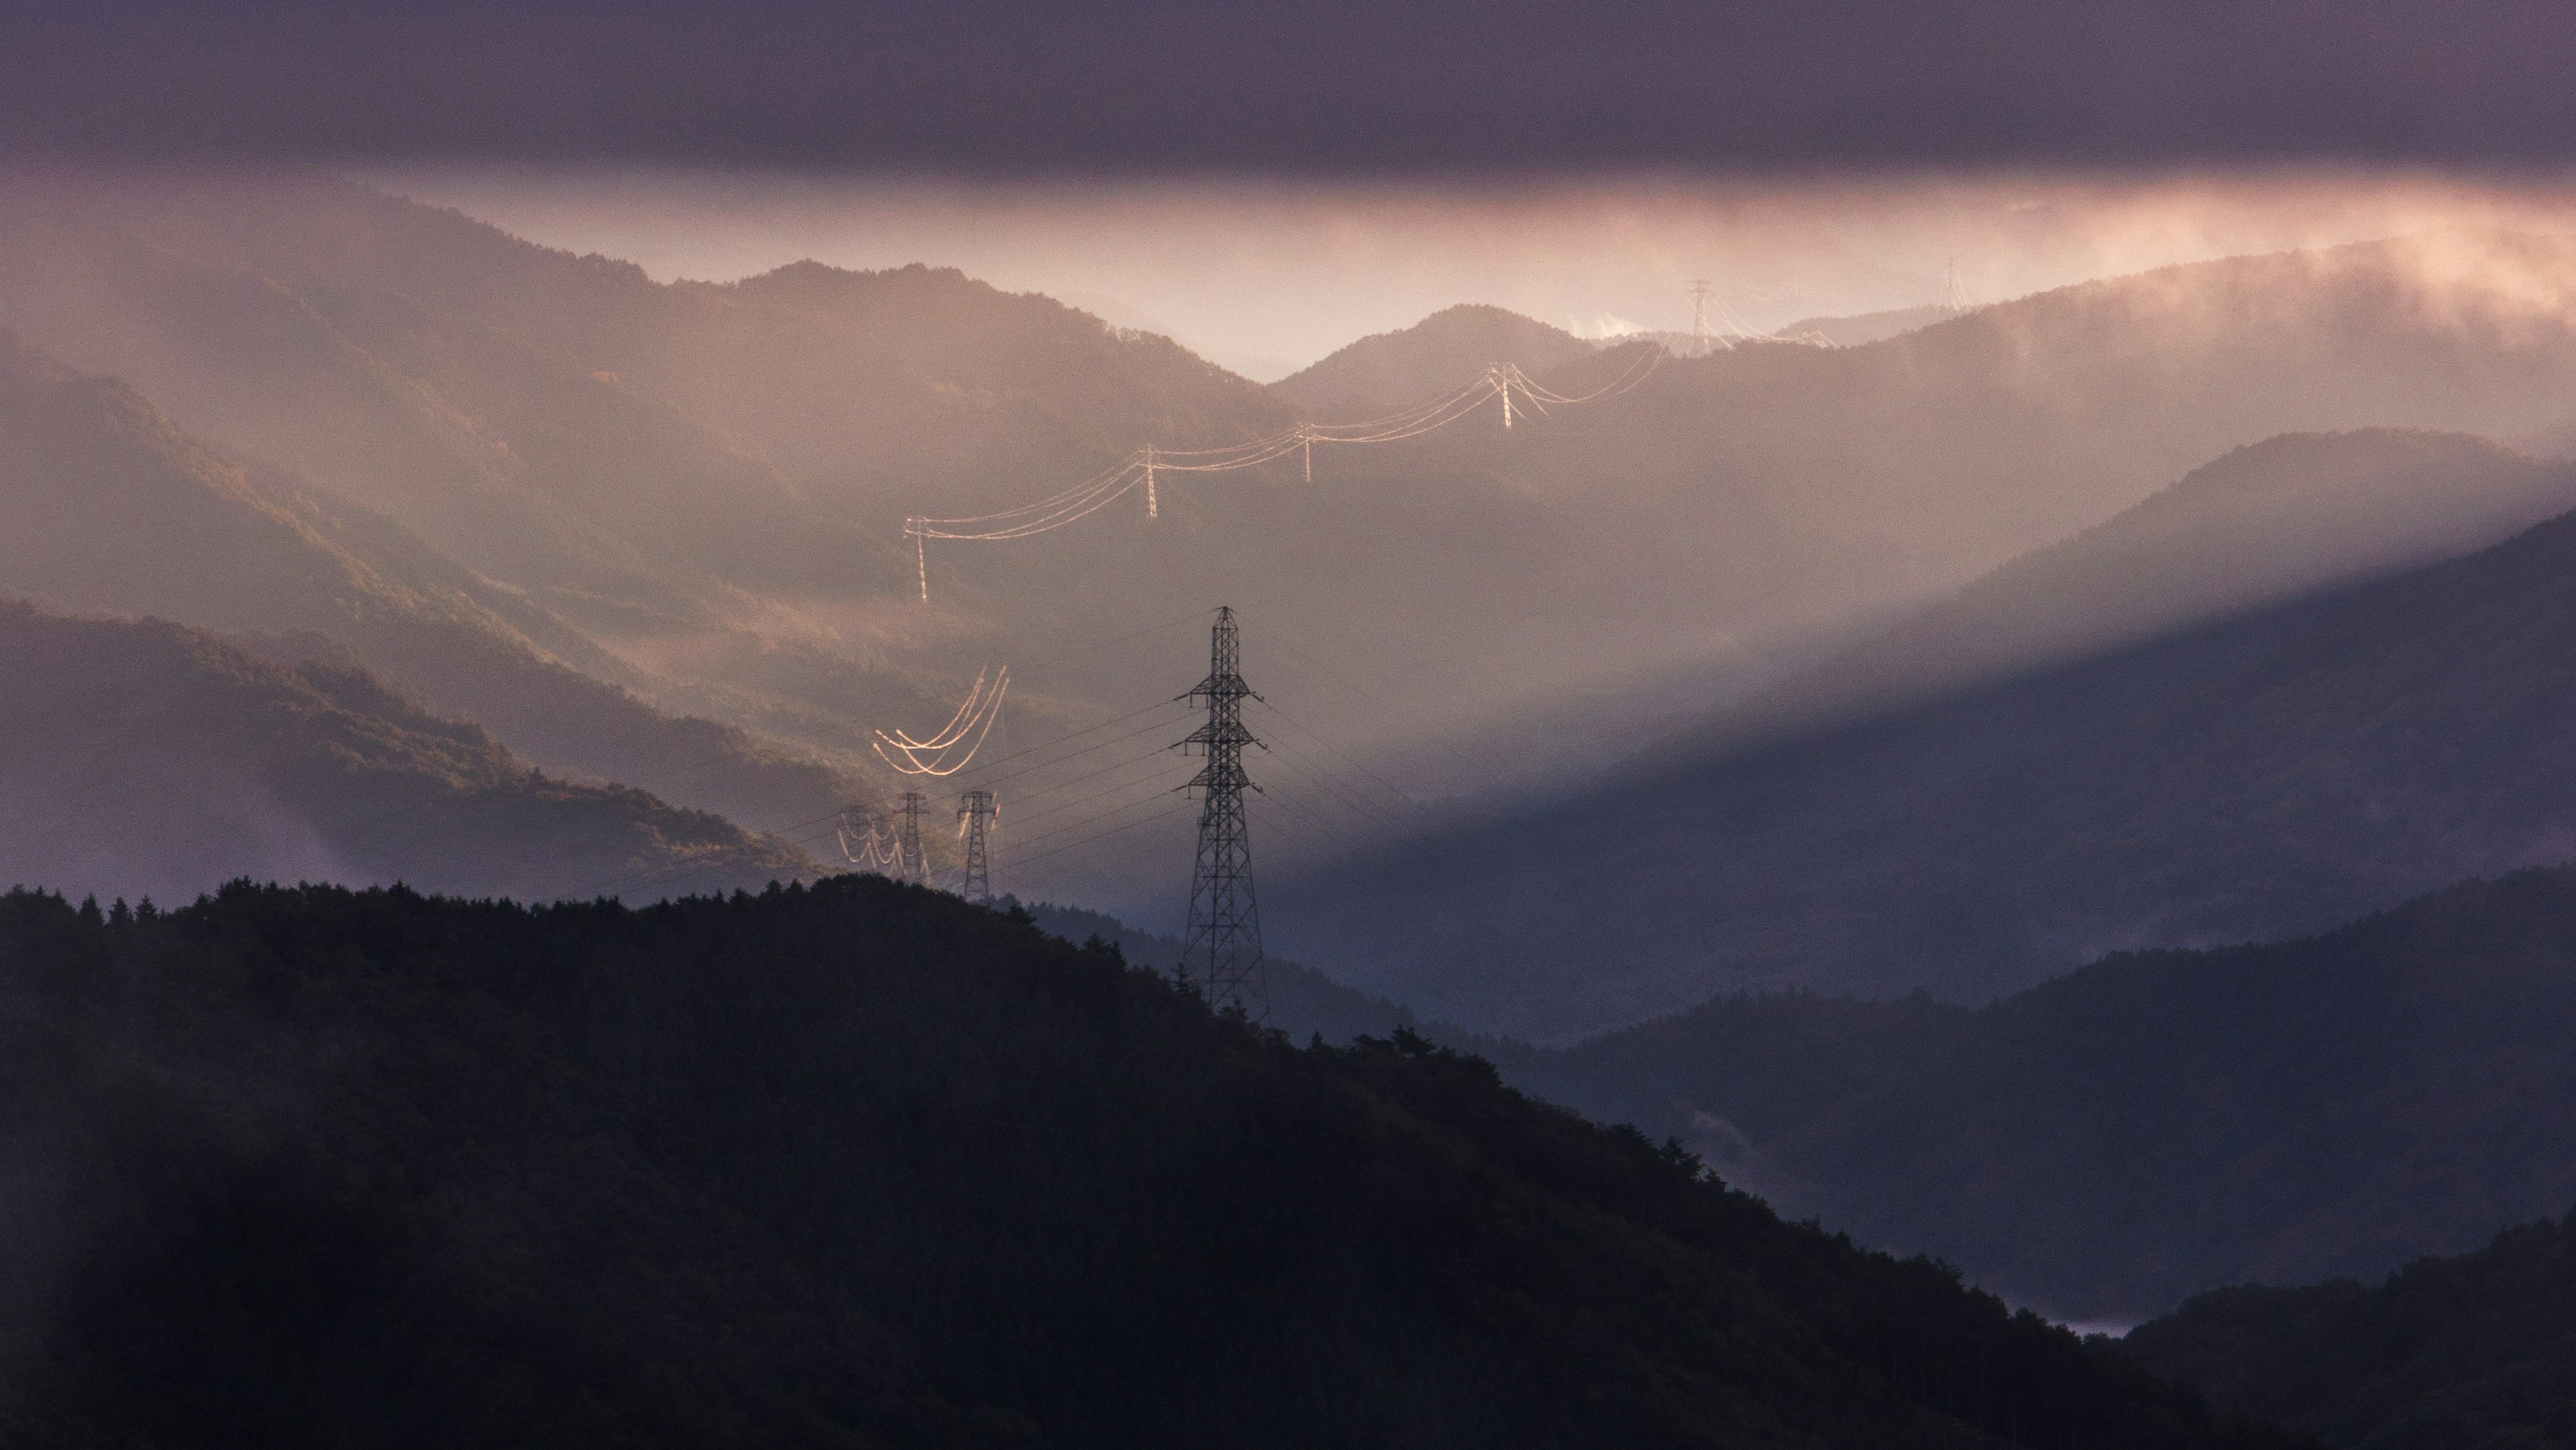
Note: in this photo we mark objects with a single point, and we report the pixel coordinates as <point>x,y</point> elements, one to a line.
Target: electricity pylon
<point>1700,294</point>
<point>1221,951</point>
<point>976,811</point>
<point>1954,290</point>
<point>910,864</point>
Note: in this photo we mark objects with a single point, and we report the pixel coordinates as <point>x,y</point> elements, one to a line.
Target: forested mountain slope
<point>1388,371</point>
<point>2258,776</point>
<point>108,508</point>
<point>1729,508</point>
<point>1867,327</point>
<point>861,1165</point>
<point>2156,1123</point>
<point>710,481</point>
<point>1302,1002</point>
<point>143,758</point>
<point>1791,483</point>
<point>2476,1352</point>
<point>2269,521</point>
<point>847,383</point>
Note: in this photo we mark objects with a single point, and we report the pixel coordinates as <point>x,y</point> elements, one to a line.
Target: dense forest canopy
<point>2159,1122</point>
<point>2476,1352</point>
<point>860,1164</point>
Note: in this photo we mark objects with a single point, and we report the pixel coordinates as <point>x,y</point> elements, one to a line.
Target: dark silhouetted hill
<point>2476,1352</point>
<point>857,1164</point>
<point>1303,1001</point>
<point>2158,1122</point>
<point>144,758</point>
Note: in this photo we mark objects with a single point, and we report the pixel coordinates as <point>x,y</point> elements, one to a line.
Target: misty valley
<point>867,857</point>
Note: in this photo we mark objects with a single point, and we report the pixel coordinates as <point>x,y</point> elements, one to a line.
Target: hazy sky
<point>1267,275</point>
<point>1266,181</point>
<point>1319,87</point>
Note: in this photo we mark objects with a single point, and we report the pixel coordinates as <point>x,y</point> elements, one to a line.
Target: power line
<point>1275,635</point>
<point>1086,800</point>
<point>1080,823</point>
<point>1086,750</point>
<point>1498,382</point>
<point>1389,786</point>
<point>1113,831</point>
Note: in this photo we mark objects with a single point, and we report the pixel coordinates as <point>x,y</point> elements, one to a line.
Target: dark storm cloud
<point>1334,86</point>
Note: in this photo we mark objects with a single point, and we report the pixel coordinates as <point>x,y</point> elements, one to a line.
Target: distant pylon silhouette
<point>910,864</point>
<point>976,811</point>
<point>1954,290</point>
<point>1221,951</point>
<point>1700,294</point>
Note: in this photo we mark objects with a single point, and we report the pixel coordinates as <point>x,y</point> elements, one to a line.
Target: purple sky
<point>1329,87</point>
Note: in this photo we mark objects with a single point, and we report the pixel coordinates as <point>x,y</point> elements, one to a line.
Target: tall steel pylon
<point>1221,952</point>
<point>910,864</point>
<point>1700,294</point>
<point>1954,289</point>
<point>976,811</point>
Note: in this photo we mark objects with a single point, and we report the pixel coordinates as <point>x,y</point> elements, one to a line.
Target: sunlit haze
<point>1485,725</point>
<point>1266,277</point>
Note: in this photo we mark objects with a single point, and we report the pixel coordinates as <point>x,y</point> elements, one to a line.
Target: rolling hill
<point>147,759</point>
<point>1717,511</point>
<point>1867,327</point>
<point>2477,1351</point>
<point>2260,775</point>
<point>1391,370</point>
<point>2156,1123</point>
<point>708,480</point>
<point>110,508</point>
<point>861,1165</point>
<point>2270,521</point>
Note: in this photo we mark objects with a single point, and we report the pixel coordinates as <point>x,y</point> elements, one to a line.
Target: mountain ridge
<point>2154,1123</point>
<point>860,1164</point>
<point>116,510</point>
<point>1390,370</point>
<point>148,759</point>
<point>2256,776</point>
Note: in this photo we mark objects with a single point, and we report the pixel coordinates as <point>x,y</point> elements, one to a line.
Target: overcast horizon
<point>1266,276</point>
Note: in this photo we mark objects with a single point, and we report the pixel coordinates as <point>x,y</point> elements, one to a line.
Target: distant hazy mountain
<point>868,391</point>
<point>709,481</point>
<point>2477,1351</point>
<point>1387,371</point>
<point>143,758</point>
<point>2257,776</point>
<point>107,507</point>
<point>2266,522</point>
<point>1866,327</point>
<point>1793,485</point>
<point>2154,1124</point>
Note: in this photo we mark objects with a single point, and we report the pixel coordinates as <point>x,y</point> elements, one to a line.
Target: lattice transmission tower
<point>1954,290</point>
<point>976,812</point>
<point>910,864</point>
<point>1221,951</point>
<point>1701,294</point>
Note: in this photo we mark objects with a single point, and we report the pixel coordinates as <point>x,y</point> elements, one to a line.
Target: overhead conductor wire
<point>1498,382</point>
